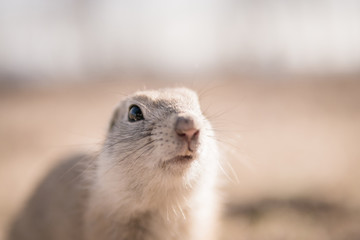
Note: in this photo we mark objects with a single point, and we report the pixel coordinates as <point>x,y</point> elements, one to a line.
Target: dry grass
<point>293,148</point>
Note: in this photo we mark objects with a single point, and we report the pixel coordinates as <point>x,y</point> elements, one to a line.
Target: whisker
<point>126,156</point>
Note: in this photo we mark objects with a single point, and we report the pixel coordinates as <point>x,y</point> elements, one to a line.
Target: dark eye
<point>135,114</point>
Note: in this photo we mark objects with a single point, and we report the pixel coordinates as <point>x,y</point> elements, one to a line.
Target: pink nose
<point>186,127</point>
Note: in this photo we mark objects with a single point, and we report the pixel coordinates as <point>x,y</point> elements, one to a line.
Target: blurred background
<point>278,79</point>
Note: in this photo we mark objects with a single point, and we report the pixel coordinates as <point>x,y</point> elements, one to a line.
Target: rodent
<point>153,179</point>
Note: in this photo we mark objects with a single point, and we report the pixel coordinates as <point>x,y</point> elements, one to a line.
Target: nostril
<point>181,134</point>
<point>196,134</point>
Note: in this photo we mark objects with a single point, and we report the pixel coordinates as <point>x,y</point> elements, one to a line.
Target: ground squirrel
<point>153,178</point>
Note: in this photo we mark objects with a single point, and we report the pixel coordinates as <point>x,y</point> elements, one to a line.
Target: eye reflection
<point>135,114</point>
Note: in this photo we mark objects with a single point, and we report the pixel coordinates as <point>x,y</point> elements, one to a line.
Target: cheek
<point>165,140</point>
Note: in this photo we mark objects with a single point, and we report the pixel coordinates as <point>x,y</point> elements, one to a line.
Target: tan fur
<point>132,190</point>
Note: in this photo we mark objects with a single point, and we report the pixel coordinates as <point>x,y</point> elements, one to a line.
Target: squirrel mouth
<point>182,159</point>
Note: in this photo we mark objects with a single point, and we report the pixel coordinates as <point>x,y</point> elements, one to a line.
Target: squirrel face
<point>159,129</point>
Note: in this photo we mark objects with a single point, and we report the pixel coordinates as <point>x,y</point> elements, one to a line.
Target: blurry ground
<point>294,148</point>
